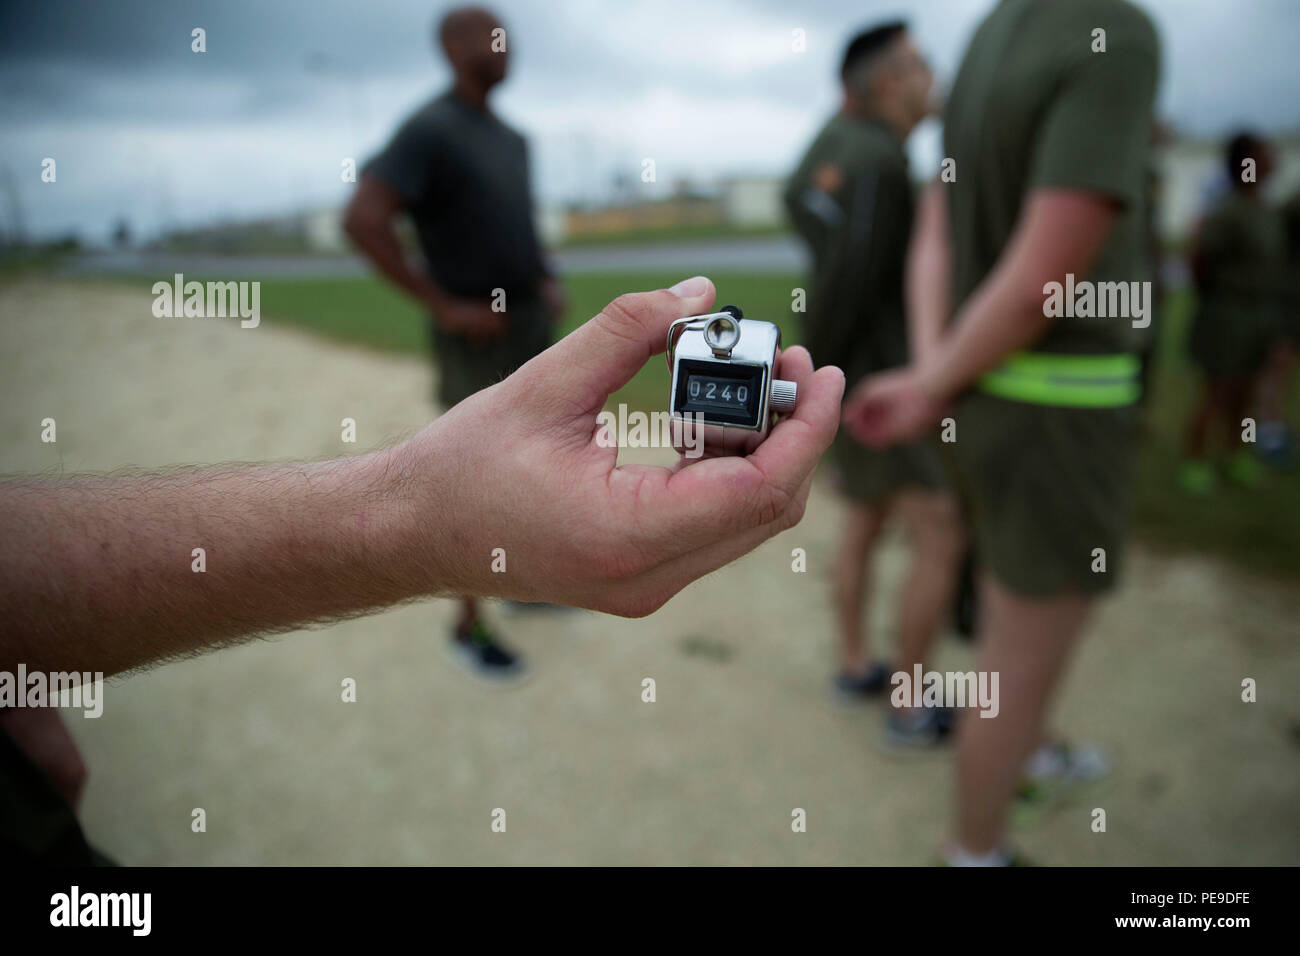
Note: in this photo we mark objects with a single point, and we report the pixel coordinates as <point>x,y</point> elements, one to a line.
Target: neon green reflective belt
<point>1071,381</point>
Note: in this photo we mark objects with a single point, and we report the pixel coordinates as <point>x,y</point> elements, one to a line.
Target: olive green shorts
<point>870,475</point>
<point>1288,327</point>
<point>464,368</point>
<point>1046,486</point>
<point>1231,345</point>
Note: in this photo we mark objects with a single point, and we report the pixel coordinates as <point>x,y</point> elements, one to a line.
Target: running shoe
<point>1056,774</point>
<point>919,730</point>
<point>1197,478</point>
<point>486,657</point>
<point>858,687</point>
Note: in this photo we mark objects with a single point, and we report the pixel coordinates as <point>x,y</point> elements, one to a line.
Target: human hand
<point>891,407</point>
<point>472,319</point>
<point>554,297</point>
<point>42,735</point>
<point>517,467</point>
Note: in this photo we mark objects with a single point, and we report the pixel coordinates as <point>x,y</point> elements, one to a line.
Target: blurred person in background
<point>1237,259</point>
<point>463,177</point>
<point>1276,444</point>
<point>1050,143</point>
<point>1153,335</point>
<point>851,200</point>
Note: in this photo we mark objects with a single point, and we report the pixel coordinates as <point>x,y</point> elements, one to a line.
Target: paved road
<point>768,253</point>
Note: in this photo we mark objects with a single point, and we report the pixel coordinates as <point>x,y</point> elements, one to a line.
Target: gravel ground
<point>743,730</point>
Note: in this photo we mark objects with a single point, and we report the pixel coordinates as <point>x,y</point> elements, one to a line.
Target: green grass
<point>668,234</point>
<point>1258,530</point>
<point>368,312</point>
<point>365,312</point>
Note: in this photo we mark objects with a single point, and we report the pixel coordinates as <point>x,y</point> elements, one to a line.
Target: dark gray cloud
<point>142,125</point>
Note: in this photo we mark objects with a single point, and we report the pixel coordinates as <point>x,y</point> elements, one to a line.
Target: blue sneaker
<point>486,657</point>
<point>858,687</point>
<point>918,730</point>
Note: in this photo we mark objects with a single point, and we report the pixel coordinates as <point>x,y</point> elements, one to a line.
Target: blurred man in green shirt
<point>1237,260</point>
<point>1275,431</point>
<point>851,200</point>
<point>1047,131</point>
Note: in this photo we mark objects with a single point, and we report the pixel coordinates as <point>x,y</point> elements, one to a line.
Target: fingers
<point>870,425</point>
<point>784,457</point>
<point>651,589</point>
<point>489,326</point>
<point>720,497</point>
<point>854,400</point>
<point>602,355</point>
<point>857,411</point>
<point>868,410</point>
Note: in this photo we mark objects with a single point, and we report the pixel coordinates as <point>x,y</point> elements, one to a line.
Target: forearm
<point>379,243</point>
<point>929,276</point>
<point>102,574</point>
<point>1003,315</point>
<point>1060,233</point>
<point>928,298</point>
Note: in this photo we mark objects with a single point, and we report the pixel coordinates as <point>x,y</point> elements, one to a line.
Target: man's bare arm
<point>929,273</point>
<point>1060,231</point>
<point>98,573</point>
<point>369,221</point>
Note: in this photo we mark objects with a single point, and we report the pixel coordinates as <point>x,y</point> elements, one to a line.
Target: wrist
<point>395,533</point>
<point>932,378</point>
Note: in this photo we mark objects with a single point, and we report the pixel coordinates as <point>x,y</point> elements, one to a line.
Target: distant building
<point>753,201</point>
<point>1191,169</point>
<point>645,216</point>
<point>322,231</point>
<point>552,225</point>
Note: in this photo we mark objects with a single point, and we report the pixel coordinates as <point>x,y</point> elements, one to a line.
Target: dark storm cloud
<point>285,53</point>
<point>142,126</point>
<point>244,37</point>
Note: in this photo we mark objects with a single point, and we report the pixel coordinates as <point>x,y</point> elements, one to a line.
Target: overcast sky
<point>142,127</point>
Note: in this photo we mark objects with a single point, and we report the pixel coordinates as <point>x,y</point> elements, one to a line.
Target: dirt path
<point>743,730</point>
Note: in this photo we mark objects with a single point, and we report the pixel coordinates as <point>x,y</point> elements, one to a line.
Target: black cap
<point>733,310</point>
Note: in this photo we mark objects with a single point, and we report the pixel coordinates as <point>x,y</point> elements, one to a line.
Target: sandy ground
<point>743,730</point>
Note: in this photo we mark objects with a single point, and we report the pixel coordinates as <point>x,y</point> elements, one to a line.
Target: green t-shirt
<point>1291,273</point>
<point>1241,246</point>
<point>1034,107</point>
<point>851,200</point>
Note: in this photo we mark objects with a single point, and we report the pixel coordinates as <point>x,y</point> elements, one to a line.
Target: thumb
<point>602,355</point>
